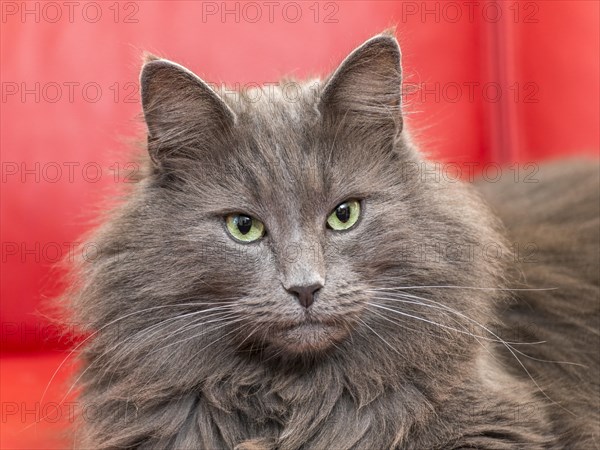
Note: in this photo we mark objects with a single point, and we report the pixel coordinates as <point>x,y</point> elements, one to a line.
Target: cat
<point>278,279</point>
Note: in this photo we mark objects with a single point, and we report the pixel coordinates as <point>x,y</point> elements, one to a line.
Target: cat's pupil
<point>343,212</point>
<point>244,224</point>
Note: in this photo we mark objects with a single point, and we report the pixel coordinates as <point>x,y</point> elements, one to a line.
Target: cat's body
<point>199,341</point>
<point>555,224</point>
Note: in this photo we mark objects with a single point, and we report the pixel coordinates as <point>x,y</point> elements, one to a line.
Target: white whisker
<point>508,347</point>
<point>399,288</point>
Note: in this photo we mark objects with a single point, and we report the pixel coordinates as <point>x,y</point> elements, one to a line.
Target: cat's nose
<point>305,294</point>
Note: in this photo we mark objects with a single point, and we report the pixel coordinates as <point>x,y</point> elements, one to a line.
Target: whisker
<point>508,347</point>
<point>461,287</point>
<point>197,325</point>
<point>448,309</point>
<point>219,338</point>
<point>477,338</point>
<point>158,326</point>
<point>217,317</point>
<point>397,322</point>
<point>187,339</point>
<point>424,320</point>
<point>112,322</point>
<point>96,332</point>
<point>377,334</point>
<point>489,331</point>
<point>254,330</point>
<point>144,331</point>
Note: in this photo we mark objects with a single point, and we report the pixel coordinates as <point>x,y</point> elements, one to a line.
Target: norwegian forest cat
<point>284,277</point>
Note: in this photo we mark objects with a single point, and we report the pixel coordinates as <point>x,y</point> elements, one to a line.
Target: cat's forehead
<point>284,155</point>
<point>279,147</point>
<point>282,107</point>
<point>279,158</point>
<point>278,129</point>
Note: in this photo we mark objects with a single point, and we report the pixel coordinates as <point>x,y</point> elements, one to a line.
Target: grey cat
<point>279,279</point>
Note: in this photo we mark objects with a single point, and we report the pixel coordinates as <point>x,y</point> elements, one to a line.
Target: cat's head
<point>292,221</point>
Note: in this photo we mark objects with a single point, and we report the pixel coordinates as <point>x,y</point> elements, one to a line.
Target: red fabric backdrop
<point>484,82</point>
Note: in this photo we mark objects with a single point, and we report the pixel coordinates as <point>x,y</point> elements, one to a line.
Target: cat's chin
<point>308,337</point>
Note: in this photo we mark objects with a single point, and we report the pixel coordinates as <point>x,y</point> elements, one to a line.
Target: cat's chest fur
<point>323,408</point>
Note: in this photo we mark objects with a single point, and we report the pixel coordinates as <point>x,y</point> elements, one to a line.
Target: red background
<point>484,83</point>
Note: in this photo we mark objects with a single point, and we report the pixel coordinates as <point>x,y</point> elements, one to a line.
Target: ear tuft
<point>391,31</point>
<point>149,57</point>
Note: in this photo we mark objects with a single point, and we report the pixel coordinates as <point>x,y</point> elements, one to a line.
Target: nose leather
<point>305,294</point>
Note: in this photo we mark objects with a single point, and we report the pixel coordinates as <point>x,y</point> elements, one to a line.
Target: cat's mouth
<point>308,336</point>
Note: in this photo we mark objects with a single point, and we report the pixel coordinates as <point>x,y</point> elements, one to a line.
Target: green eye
<point>244,228</point>
<point>344,216</point>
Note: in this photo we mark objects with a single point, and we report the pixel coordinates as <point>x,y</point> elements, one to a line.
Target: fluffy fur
<point>193,342</point>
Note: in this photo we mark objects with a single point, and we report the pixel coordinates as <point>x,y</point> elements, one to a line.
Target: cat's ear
<point>365,90</point>
<point>183,114</point>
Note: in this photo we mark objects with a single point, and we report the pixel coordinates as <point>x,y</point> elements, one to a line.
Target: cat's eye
<point>244,228</point>
<point>344,216</point>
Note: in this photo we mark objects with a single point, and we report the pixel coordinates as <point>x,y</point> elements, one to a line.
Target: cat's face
<point>296,226</point>
<point>288,226</point>
<point>297,189</point>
